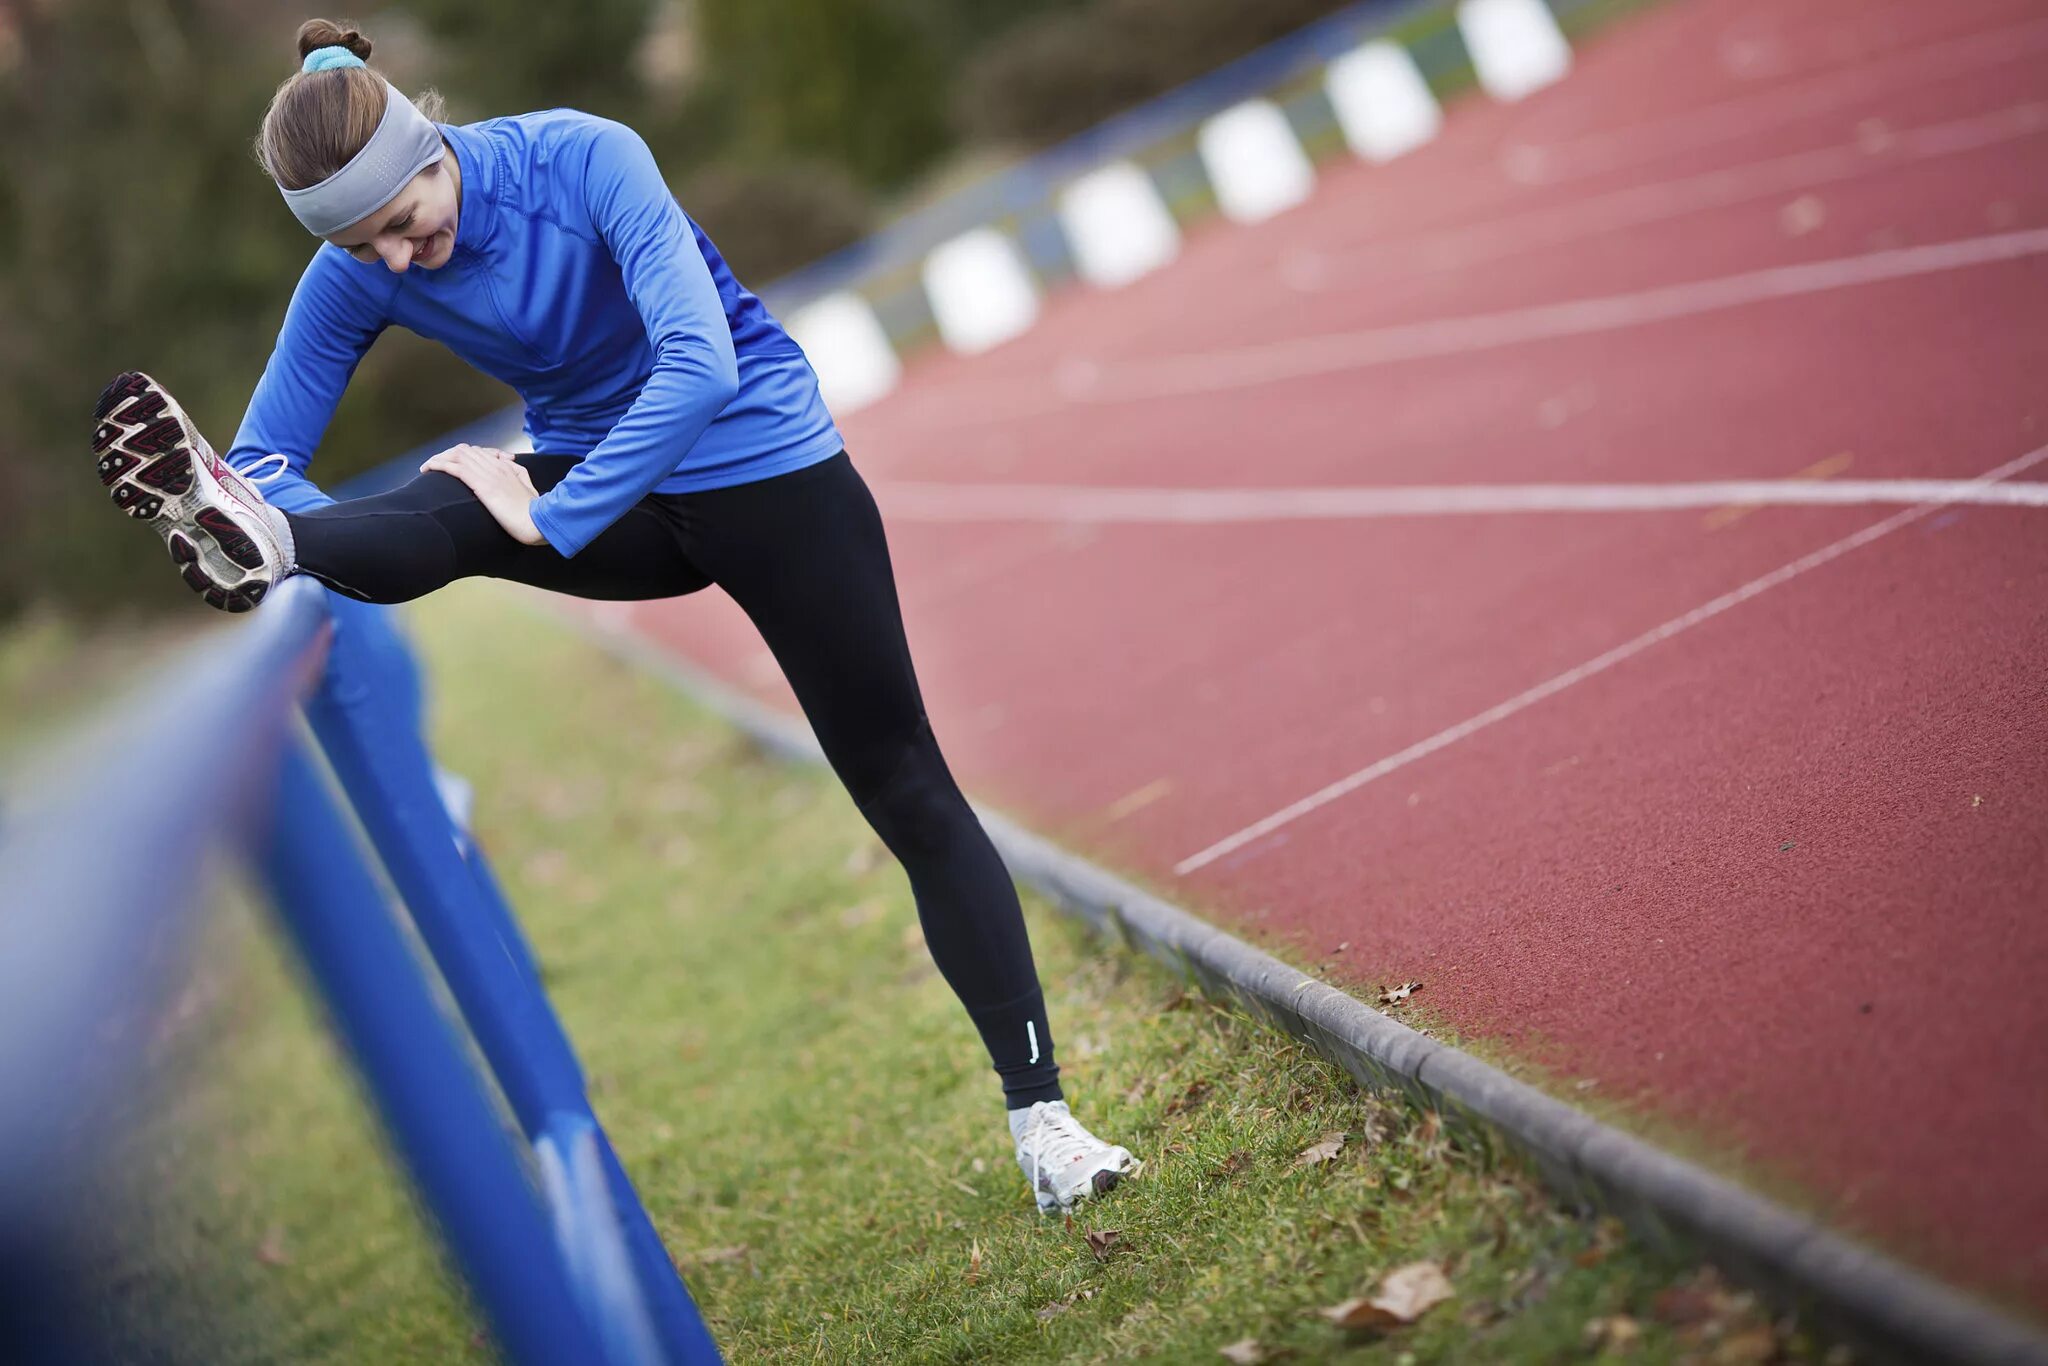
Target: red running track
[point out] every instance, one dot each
(1766, 871)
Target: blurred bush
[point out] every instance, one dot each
(137, 231)
(768, 220)
(1062, 72)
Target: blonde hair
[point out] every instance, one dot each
(319, 120)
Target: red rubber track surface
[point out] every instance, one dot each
(1777, 880)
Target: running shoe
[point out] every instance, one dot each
(1063, 1162)
(229, 544)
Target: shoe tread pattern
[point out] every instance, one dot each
(146, 464)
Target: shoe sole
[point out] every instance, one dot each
(153, 471)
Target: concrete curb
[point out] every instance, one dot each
(1886, 1311)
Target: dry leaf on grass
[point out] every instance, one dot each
(1066, 1302)
(1607, 1236)
(1617, 1333)
(1100, 1241)
(1701, 1307)
(1322, 1150)
(1232, 1164)
(1197, 1092)
(974, 1262)
(1405, 1294)
(1245, 1352)
(271, 1251)
(1393, 996)
(1750, 1347)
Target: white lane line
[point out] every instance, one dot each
(1296, 357)
(1875, 152)
(930, 502)
(1765, 111)
(1597, 665)
(1079, 381)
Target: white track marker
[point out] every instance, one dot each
(1516, 46)
(980, 292)
(1764, 111)
(1597, 665)
(1117, 225)
(846, 345)
(928, 502)
(1254, 161)
(1383, 105)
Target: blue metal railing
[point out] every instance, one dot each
(101, 877)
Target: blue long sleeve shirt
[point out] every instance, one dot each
(576, 279)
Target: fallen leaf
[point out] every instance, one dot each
(1683, 1306)
(1322, 1150)
(271, 1251)
(1100, 1241)
(1066, 1302)
(1393, 996)
(1196, 1093)
(1232, 1164)
(1245, 1352)
(1405, 1294)
(1616, 1333)
(1750, 1347)
(1607, 1236)
(1410, 1291)
(974, 1262)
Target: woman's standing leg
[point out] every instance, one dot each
(804, 555)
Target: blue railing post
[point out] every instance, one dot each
(444, 1125)
(365, 712)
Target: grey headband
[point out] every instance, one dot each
(405, 144)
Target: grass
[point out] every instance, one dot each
(809, 1115)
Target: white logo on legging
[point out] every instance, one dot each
(1031, 1033)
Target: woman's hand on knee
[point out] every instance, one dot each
(500, 483)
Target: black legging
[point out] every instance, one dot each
(804, 555)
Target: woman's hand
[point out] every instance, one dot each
(500, 483)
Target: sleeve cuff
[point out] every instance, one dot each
(553, 531)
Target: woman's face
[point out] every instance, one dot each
(417, 228)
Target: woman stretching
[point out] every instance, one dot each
(685, 444)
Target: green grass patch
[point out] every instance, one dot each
(808, 1111)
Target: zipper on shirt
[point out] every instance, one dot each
(491, 291)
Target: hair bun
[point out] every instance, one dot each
(319, 33)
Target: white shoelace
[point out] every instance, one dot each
(284, 462)
(1067, 1139)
